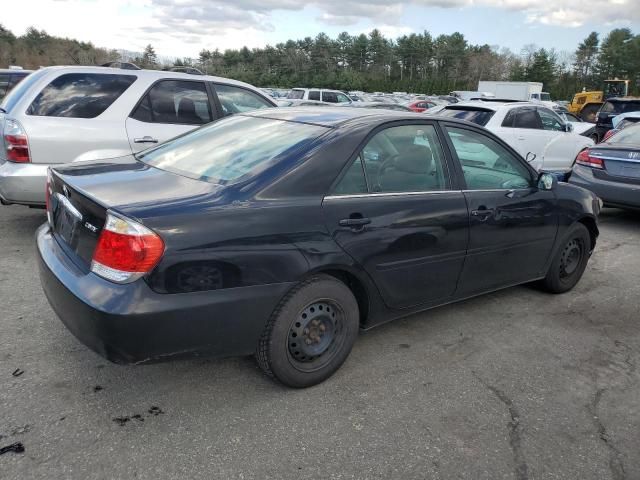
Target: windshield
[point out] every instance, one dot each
(474, 115)
(629, 136)
(545, 97)
(231, 148)
(16, 93)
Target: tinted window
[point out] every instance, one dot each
(550, 121)
(474, 115)
(175, 101)
(486, 164)
(237, 100)
(4, 84)
(232, 148)
(623, 107)
(526, 118)
(296, 94)
(79, 95)
(330, 97)
(405, 159)
(342, 98)
(314, 95)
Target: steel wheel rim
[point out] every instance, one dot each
(571, 258)
(316, 335)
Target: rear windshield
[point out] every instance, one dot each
(474, 115)
(79, 95)
(224, 151)
(16, 93)
(620, 107)
(629, 136)
(296, 94)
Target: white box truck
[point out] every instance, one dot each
(524, 91)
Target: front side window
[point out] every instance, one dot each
(550, 121)
(234, 147)
(486, 164)
(239, 100)
(314, 95)
(79, 95)
(407, 158)
(330, 97)
(175, 102)
(342, 98)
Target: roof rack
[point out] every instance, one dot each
(189, 70)
(122, 65)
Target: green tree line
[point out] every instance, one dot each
(418, 62)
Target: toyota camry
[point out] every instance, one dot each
(283, 233)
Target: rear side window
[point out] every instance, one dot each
(238, 100)
(474, 115)
(233, 148)
(296, 94)
(79, 95)
(314, 95)
(175, 102)
(330, 97)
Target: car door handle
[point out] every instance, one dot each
(520, 137)
(354, 222)
(145, 139)
(482, 213)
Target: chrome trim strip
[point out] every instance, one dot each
(387, 194)
(615, 159)
(69, 206)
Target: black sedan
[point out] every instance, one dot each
(281, 233)
(612, 169)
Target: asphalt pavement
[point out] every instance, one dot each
(517, 384)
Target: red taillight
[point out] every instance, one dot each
(609, 134)
(126, 250)
(587, 160)
(16, 143)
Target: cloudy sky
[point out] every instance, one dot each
(183, 27)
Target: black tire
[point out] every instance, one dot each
(310, 333)
(570, 260)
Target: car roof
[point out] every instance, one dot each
(15, 70)
(337, 116)
(148, 74)
(624, 99)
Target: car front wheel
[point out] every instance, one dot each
(570, 261)
(310, 333)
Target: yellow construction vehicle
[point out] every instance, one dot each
(586, 104)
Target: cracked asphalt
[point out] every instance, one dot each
(517, 384)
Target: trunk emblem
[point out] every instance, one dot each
(93, 228)
(634, 155)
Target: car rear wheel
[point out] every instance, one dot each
(310, 333)
(570, 261)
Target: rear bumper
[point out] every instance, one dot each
(23, 183)
(132, 324)
(615, 194)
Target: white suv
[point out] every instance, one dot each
(536, 132)
(320, 95)
(67, 114)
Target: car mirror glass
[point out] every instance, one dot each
(568, 127)
(546, 181)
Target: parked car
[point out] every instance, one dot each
(319, 94)
(586, 129)
(612, 108)
(612, 169)
(536, 132)
(9, 78)
(300, 103)
(620, 122)
(385, 106)
(284, 242)
(420, 106)
(67, 114)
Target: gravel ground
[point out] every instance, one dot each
(517, 384)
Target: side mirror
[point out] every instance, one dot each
(568, 127)
(547, 181)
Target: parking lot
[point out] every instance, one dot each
(516, 384)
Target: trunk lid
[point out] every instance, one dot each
(82, 193)
(619, 161)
